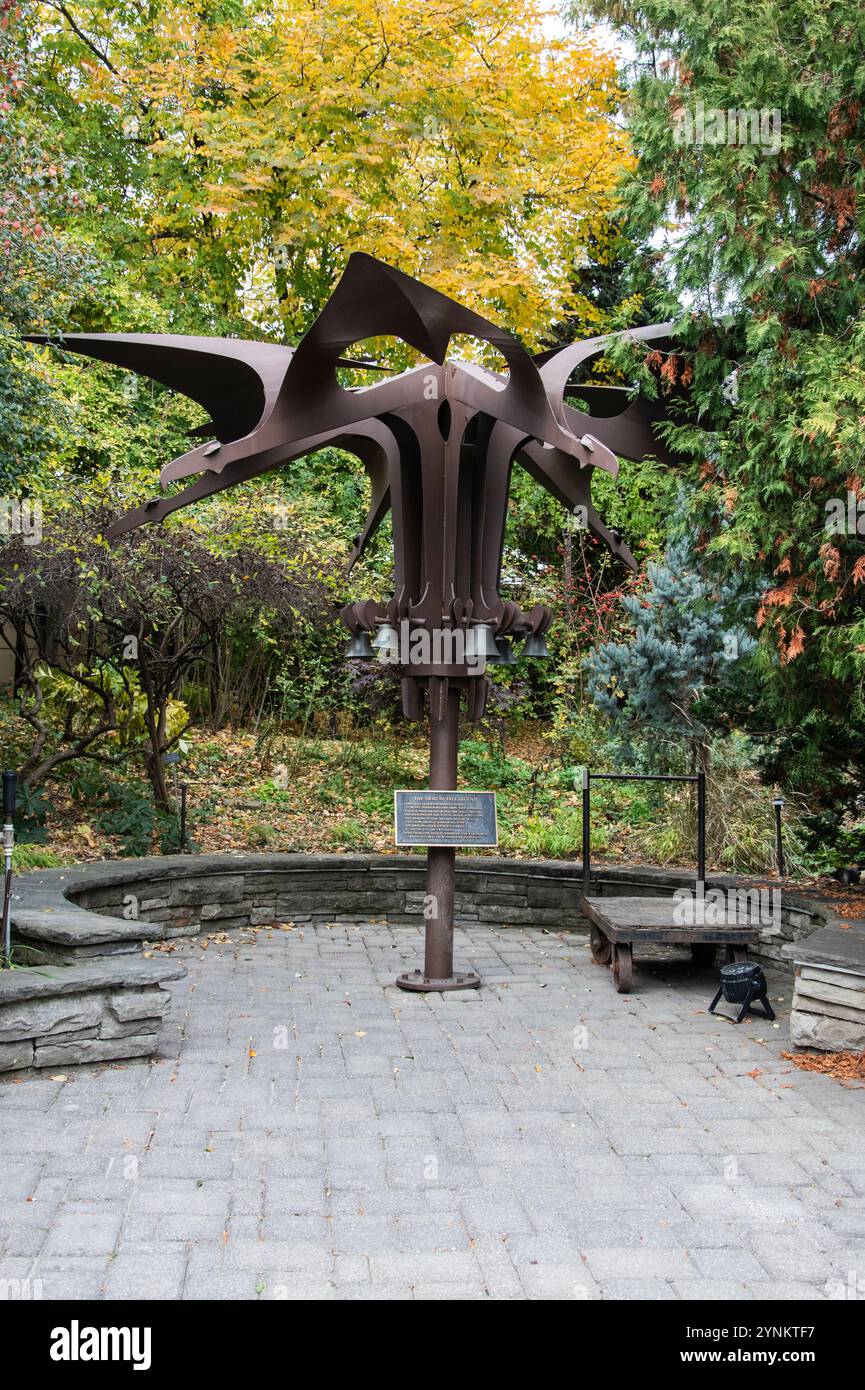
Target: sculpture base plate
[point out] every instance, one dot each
(421, 984)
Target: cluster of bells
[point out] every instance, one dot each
(497, 651)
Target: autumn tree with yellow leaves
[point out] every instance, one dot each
(232, 155)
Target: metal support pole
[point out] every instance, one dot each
(587, 834)
(438, 971)
(10, 782)
(778, 802)
(701, 829)
(441, 863)
(183, 818)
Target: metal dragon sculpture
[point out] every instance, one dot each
(438, 443)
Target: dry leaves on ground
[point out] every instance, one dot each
(846, 1067)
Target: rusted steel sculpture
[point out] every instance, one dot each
(438, 443)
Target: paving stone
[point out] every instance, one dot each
(389, 1291)
(608, 1179)
(70, 1277)
(791, 1257)
(163, 1196)
(487, 1216)
(433, 1267)
(639, 1290)
(367, 1235)
(558, 1281)
(789, 1292)
(146, 1271)
(224, 1286)
(735, 1264)
(640, 1264)
(298, 1256)
(711, 1290)
(351, 1269)
(84, 1232)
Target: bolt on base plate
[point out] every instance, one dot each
(418, 982)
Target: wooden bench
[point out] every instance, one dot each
(621, 925)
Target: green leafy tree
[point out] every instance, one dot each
(748, 200)
(236, 153)
(41, 269)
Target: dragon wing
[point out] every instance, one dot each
(236, 381)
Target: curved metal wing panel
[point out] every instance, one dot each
(236, 381)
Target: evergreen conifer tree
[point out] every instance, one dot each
(684, 645)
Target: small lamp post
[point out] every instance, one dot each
(778, 804)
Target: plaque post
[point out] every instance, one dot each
(438, 971)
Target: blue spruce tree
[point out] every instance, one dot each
(684, 647)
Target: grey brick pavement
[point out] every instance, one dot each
(309, 1131)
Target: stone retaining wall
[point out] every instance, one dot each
(828, 1010)
(829, 997)
(111, 907)
(57, 1016)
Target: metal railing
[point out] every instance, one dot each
(588, 777)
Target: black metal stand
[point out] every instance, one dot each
(698, 778)
(746, 985)
(183, 790)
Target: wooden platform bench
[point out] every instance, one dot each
(620, 926)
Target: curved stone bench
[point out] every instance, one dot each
(112, 907)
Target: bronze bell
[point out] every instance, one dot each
(359, 648)
(504, 653)
(386, 643)
(535, 645)
(481, 643)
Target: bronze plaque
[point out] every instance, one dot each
(446, 819)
